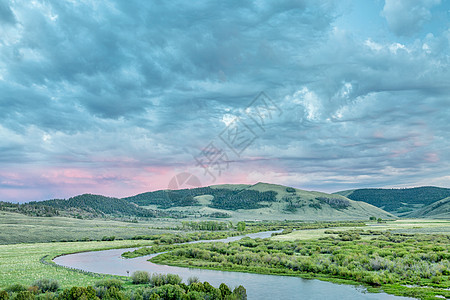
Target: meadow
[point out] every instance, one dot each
(409, 226)
(21, 263)
(403, 257)
(18, 228)
(408, 264)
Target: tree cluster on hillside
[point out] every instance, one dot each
(292, 203)
(223, 198)
(29, 209)
(99, 206)
(170, 198)
(393, 199)
(244, 199)
(337, 203)
(83, 206)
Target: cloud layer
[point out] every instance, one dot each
(113, 98)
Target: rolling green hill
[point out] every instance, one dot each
(401, 202)
(436, 210)
(261, 201)
(98, 205)
(82, 206)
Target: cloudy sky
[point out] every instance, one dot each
(118, 97)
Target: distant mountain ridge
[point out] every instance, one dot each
(261, 201)
(402, 202)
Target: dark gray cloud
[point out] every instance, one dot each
(117, 97)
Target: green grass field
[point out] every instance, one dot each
(20, 263)
(398, 226)
(18, 228)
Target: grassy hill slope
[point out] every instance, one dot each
(401, 202)
(261, 201)
(436, 210)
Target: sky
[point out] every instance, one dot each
(123, 97)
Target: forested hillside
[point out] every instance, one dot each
(229, 199)
(98, 205)
(82, 206)
(398, 200)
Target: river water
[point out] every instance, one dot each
(258, 286)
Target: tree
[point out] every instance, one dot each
(290, 190)
(240, 293)
(224, 290)
(240, 226)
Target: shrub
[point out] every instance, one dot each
(192, 280)
(240, 226)
(110, 283)
(436, 279)
(47, 285)
(161, 279)
(169, 292)
(76, 293)
(173, 279)
(140, 277)
(47, 296)
(33, 289)
(290, 190)
(24, 295)
(4, 295)
(194, 295)
(15, 288)
(114, 294)
(224, 290)
(240, 293)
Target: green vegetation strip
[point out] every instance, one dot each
(142, 286)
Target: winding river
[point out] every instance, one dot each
(258, 286)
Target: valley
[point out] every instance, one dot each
(34, 233)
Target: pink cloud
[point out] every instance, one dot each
(432, 157)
